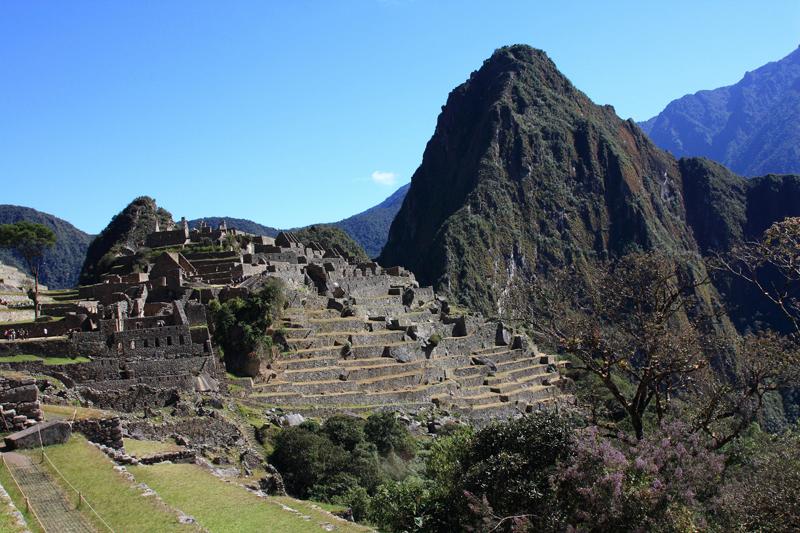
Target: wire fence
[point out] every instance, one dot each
(81, 499)
(28, 506)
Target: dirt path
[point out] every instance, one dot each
(56, 513)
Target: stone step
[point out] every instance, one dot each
(310, 342)
(504, 386)
(536, 392)
(517, 374)
(383, 350)
(422, 393)
(320, 351)
(471, 380)
(492, 350)
(506, 356)
(380, 383)
(308, 362)
(468, 401)
(336, 324)
(389, 367)
(514, 364)
(316, 373)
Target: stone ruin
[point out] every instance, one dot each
(19, 403)
(354, 334)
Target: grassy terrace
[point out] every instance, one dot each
(63, 412)
(115, 498)
(146, 448)
(28, 358)
(63, 296)
(221, 506)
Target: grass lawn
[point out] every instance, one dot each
(20, 358)
(226, 507)
(145, 448)
(115, 498)
(50, 361)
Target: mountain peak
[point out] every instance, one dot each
(523, 172)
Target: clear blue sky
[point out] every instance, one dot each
(296, 112)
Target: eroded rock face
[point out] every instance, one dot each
(45, 434)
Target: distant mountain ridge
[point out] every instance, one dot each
(752, 127)
(62, 263)
(242, 224)
(370, 228)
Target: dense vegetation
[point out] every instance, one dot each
(748, 126)
(241, 323)
(547, 471)
(346, 460)
(661, 440)
(331, 237)
(126, 232)
(370, 228)
(62, 263)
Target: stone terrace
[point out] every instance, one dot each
(401, 346)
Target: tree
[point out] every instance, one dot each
(628, 327)
(30, 240)
(240, 326)
(771, 265)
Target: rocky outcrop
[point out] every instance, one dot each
(43, 434)
(124, 234)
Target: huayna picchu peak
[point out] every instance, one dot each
(524, 173)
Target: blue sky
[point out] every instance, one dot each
(295, 112)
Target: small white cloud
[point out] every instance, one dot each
(382, 177)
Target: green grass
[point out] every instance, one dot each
(226, 507)
(7, 522)
(50, 361)
(20, 358)
(116, 499)
(145, 448)
(62, 412)
(8, 483)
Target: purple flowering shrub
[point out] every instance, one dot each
(657, 484)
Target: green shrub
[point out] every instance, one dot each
(305, 459)
(389, 435)
(314, 465)
(398, 506)
(345, 431)
(240, 324)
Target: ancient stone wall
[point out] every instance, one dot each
(135, 398)
(105, 431)
(19, 403)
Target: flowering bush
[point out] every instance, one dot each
(656, 484)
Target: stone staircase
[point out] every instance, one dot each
(383, 356)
